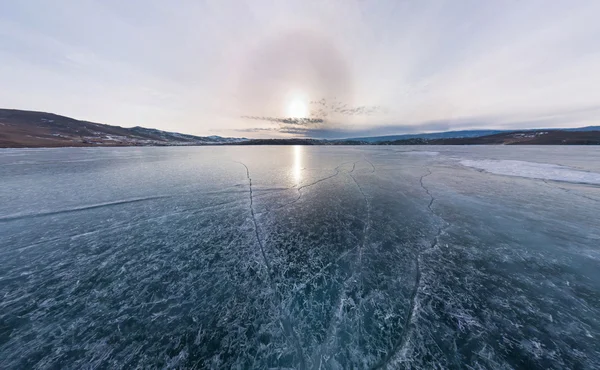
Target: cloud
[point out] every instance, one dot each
(258, 129)
(287, 120)
(341, 132)
(321, 119)
(323, 108)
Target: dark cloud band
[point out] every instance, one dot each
(287, 120)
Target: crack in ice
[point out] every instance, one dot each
(366, 226)
(299, 189)
(284, 320)
(570, 191)
(81, 208)
(286, 324)
(371, 163)
(260, 243)
(337, 317)
(402, 347)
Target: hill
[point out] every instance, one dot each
(19, 128)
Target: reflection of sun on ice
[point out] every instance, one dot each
(297, 108)
(297, 165)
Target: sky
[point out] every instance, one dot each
(323, 69)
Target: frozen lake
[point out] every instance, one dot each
(300, 257)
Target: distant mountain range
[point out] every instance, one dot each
(20, 129)
(434, 135)
(579, 136)
(461, 134)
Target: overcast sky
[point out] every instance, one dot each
(252, 68)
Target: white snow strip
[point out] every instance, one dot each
(545, 171)
(424, 153)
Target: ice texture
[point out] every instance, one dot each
(534, 170)
(419, 152)
(299, 257)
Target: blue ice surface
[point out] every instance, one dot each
(300, 257)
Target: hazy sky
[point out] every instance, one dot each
(382, 67)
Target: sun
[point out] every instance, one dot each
(297, 108)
